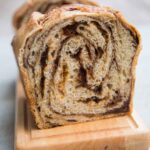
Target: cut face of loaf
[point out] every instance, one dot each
(23, 14)
(77, 64)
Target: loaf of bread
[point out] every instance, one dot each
(77, 64)
(23, 14)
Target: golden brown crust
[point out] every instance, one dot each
(30, 4)
(37, 22)
(135, 59)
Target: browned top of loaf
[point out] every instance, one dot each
(29, 5)
(38, 21)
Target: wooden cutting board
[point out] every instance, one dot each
(119, 133)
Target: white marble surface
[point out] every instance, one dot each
(137, 11)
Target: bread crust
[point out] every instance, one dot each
(29, 5)
(36, 23)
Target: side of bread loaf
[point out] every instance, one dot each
(77, 64)
(23, 14)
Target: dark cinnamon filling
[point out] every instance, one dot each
(71, 120)
(44, 56)
(93, 98)
(123, 109)
(98, 89)
(99, 52)
(70, 31)
(82, 77)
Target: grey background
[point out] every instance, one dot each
(136, 11)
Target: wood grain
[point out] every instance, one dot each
(119, 133)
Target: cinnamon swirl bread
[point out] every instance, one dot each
(77, 64)
(22, 15)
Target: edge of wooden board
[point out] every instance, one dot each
(126, 132)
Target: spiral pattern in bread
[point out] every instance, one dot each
(77, 64)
